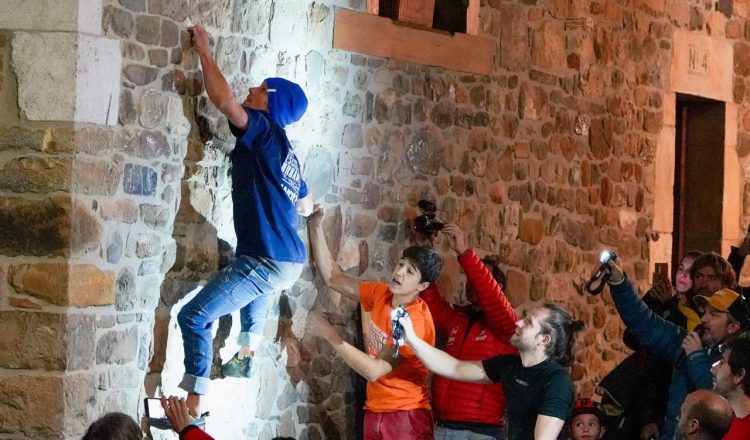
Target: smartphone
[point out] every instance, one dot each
(661, 272)
(154, 410)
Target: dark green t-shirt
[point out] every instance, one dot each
(544, 389)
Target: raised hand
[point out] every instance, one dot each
(456, 238)
(177, 412)
(200, 39)
(316, 218)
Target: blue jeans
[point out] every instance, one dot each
(472, 433)
(246, 284)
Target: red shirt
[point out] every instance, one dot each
(473, 339)
(740, 429)
(194, 433)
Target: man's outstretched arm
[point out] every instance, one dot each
(328, 269)
(440, 362)
(547, 427)
(217, 87)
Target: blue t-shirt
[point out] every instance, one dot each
(266, 184)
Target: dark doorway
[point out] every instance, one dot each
(699, 176)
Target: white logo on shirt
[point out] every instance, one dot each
(291, 176)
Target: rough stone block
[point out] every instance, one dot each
(514, 54)
(36, 175)
(95, 177)
(35, 227)
(139, 180)
(67, 77)
(702, 65)
(147, 29)
(140, 75)
(62, 284)
(32, 341)
(146, 144)
(155, 216)
(80, 334)
(24, 397)
(18, 138)
(117, 347)
(548, 50)
(85, 230)
(134, 5)
(176, 9)
(119, 21)
(52, 15)
(79, 391)
(153, 108)
(121, 210)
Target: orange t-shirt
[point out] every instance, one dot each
(407, 386)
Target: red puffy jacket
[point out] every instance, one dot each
(194, 433)
(470, 339)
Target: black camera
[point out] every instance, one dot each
(426, 224)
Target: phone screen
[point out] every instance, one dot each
(154, 409)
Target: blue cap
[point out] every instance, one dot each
(287, 103)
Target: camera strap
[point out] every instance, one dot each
(602, 275)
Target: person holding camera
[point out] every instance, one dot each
(732, 380)
(398, 398)
(691, 354)
(635, 391)
(474, 332)
(268, 193)
(537, 385)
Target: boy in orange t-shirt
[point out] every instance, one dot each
(398, 400)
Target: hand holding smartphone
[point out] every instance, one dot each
(661, 285)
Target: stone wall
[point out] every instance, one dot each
(112, 210)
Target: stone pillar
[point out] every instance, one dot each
(59, 288)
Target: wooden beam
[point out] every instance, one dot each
(472, 18)
(379, 36)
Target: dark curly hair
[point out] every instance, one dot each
(721, 266)
(426, 260)
(562, 328)
(739, 360)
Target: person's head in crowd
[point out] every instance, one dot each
(114, 426)
(724, 316)
(497, 274)
(704, 415)
(683, 282)
(732, 372)
(418, 267)
(548, 329)
(587, 422)
(710, 273)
